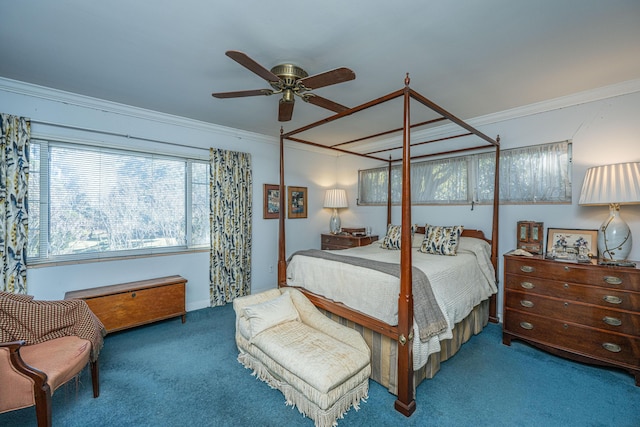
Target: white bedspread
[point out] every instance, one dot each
(459, 283)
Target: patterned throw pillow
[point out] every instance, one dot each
(439, 240)
(392, 239)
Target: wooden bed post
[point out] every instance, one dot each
(282, 262)
(389, 201)
(406, 403)
(493, 312)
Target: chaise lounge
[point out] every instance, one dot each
(320, 366)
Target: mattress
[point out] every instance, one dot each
(458, 282)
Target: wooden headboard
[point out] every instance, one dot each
(467, 232)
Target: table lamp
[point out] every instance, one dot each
(337, 199)
(612, 185)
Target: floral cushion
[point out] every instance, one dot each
(392, 239)
(439, 240)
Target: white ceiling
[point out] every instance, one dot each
(472, 57)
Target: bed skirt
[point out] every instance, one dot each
(384, 357)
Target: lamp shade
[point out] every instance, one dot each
(335, 198)
(611, 184)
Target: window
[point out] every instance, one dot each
(97, 202)
(536, 174)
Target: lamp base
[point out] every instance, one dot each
(334, 222)
(614, 237)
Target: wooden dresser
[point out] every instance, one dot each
(585, 312)
(344, 241)
(132, 304)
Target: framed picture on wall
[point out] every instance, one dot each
(271, 201)
(297, 202)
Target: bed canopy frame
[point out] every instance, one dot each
(403, 332)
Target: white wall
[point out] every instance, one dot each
(305, 168)
(603, 131)
(603, 126)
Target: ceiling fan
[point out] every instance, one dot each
(290, 80)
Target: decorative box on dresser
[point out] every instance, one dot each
(344, 241)
(585, 312)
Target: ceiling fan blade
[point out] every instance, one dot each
(251, 65)
(327, 78)
(285, 111)
(324, 103)
(241, 93)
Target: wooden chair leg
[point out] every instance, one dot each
(43, 406)
(95, 378)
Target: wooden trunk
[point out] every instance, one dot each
(127, 305)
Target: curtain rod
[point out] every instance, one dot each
(121, 135)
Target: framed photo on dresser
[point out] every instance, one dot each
(565, 242)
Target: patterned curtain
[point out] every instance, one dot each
(231, 211)
(14, 172)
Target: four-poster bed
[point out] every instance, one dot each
(393, 344)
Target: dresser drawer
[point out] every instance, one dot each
(344, 241)
(611, 277)
(600, 345)
(604, 296)
(622, 322)
(338, 241)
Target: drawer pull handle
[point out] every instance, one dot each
(613, 348)
(527, 269)
(526, 325)
(612, 299)
(133, 294)
(613, 321)
(527, 285)
(613, 280)
(566, 268)
(566, 286)
(526, 303)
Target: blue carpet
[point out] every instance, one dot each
(170, 374)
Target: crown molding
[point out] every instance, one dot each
(56, 95)
(605, 92)
(32, 90)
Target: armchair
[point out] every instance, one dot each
(43, 345)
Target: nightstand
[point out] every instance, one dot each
(585, 312)
(344, 241)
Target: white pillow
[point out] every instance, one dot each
(271, 313)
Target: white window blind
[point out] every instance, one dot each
(104, 202)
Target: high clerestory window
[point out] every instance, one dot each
(535, 174)
(90, 202)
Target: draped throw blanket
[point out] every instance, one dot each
(230, 218)
(426, 311)
(39, 321)
(14, 172)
